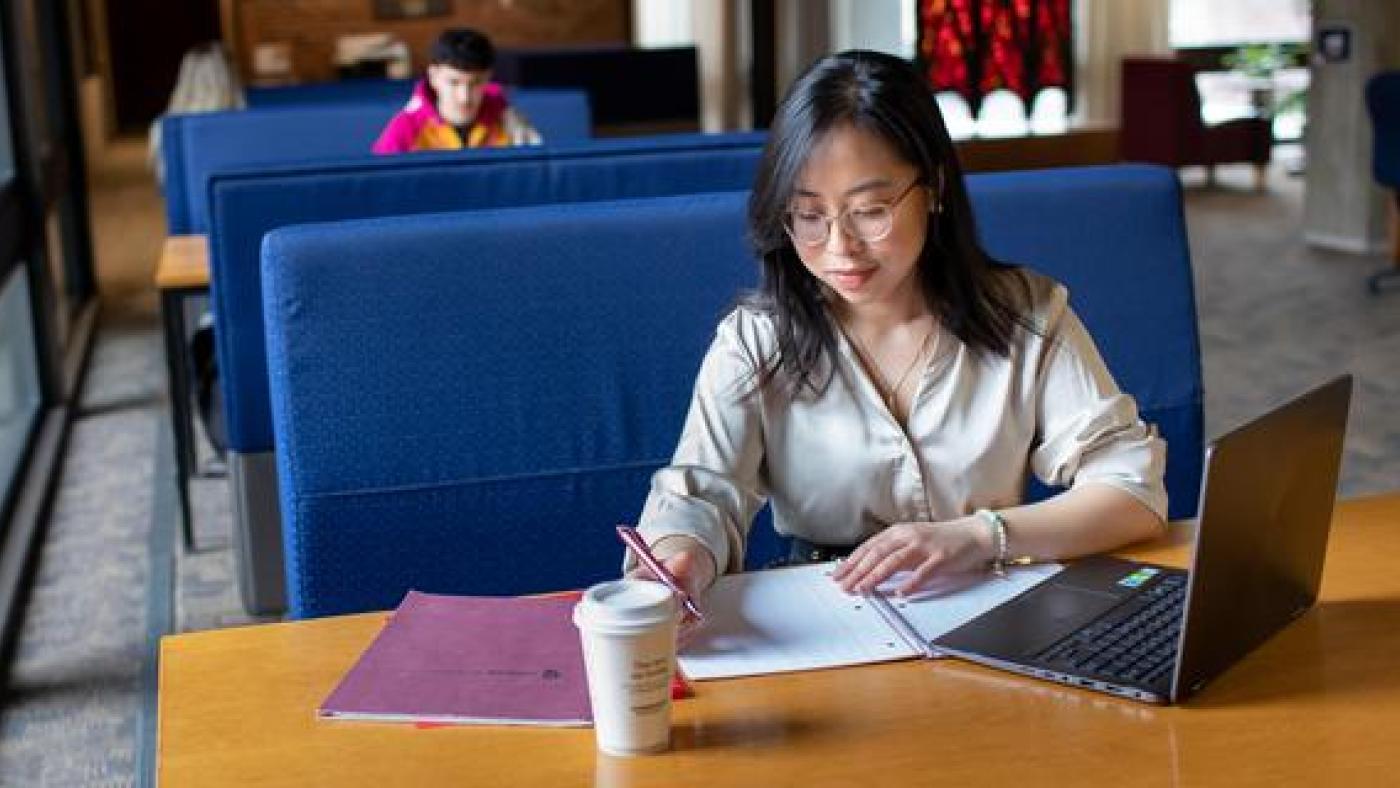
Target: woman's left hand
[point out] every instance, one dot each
(922, 549)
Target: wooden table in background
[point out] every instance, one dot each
(182, 272)
(1319, 704)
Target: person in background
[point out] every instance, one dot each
(891, 385)
(457, 105)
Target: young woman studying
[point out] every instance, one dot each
(890, 385)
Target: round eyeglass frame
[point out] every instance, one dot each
(848, 226)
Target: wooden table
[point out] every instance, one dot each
(182, 272)
(1319, 704)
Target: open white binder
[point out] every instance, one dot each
(797, 618)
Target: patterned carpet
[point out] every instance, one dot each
(73, 708)
(1276, 317)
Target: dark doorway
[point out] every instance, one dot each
(147, 39)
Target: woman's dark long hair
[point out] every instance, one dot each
(967, 290)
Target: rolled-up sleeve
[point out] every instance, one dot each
(712, 489)
(1090, 431)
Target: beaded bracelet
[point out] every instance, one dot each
(1000, 549)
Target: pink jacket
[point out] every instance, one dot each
(418, 126)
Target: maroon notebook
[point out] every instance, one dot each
(461, 659)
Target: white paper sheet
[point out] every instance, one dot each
(797, 618)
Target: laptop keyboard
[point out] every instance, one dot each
(1139, 648)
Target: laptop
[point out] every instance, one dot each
(1159, 634)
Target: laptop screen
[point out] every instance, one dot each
(1266, 508)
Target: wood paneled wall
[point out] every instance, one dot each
(312, 26)
(1073, 148)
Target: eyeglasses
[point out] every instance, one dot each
(867, 223)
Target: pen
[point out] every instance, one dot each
(634, 540)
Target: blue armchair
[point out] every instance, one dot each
(1383, 102)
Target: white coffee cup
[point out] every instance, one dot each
(628, 628)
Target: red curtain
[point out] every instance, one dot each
(974, 47)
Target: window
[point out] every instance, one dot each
(1002, 114)
(7, 141)
(1211, 23)
(956, 115)
(1050, 112)
(1213, 30)
(663, 24)
(882, 25)
(979, 48)
(20, 393)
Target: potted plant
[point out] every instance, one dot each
(1258, 63)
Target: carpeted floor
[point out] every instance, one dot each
(73, 707)
(1275, 318)
(76, 705)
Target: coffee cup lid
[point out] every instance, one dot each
(626, 603)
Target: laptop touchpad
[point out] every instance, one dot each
(1034, 621)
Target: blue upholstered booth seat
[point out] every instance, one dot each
(1115, 236)
(1383, 104)
(344, 91)
(468, 402)
(507, 382)
(193, 147)
(561, 115)
(625, 84)
(245, 206)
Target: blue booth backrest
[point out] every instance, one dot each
(1116, 238)
(625, 84)
(345, 91)
(1383, 104)
(467, 402)
(245, 206)
(194, 147)
(507, 382)
(560, 115)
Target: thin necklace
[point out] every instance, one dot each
(890, 394)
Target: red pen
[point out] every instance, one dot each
(634, 540)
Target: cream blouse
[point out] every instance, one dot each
(837, 467)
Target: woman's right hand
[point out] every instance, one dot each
(687, 559)
(691, 564)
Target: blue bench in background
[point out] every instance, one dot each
(344, 91)
(1116, 237)
(628, 87)
(244, 206)
(468, 402)
(193, 147)
(494, 470)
